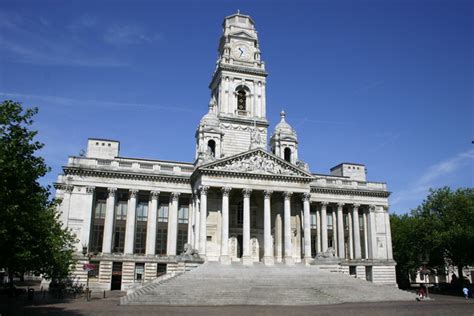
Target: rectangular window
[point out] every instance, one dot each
(161, 240)
(139, 272)
(163, 211)
(361, 222)
(183, 214)
(94, 274)
(119, 237)
(240, 213)
(182, 239)
(121, 210)
(142, 211)
(329, 220)
(312, 218)
(160, 269)
(254, 218)
(97, 237)
(100, 207)
(140, 238)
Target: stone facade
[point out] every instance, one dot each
(238, 201)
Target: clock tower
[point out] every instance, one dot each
(238, 88)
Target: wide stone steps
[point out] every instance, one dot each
(236, 284)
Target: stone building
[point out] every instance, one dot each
(243, 198)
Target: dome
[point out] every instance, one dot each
(210, 119)
(283, 128)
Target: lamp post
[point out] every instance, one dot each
(88, 255)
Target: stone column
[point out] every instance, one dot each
(351, 239)
(246, 258)
(366, 236)
(334, 231)
(173, 224)
(340, 231)
(388, 233)
(225, 259)
(203, 222)
(318, 225)
(267, 229)
(190, 221)
(151, 223)
(130, 224)
(355, 222)
(307, 228)
(278, 238)
(86, 225)
(324, 227)
(287, 228)
(109, 221)
(197, 221)
(372, 233)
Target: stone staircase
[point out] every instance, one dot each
(215, 284)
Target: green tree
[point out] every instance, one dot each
(31, 237)
(438, 232)
(446, 220)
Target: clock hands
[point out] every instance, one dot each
(241, 51)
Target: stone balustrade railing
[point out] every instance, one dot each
(131, 164)
(337, 182)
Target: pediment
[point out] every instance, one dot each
(259, 162)
(242, 34)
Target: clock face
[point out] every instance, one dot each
(241, 51)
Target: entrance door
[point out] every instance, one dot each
(239, 246)
(116, 276)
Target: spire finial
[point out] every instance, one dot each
(238, 11)
(282, 114)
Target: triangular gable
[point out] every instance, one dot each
(242, 34)
(256, 161)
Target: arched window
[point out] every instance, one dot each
(241, 100)
(211, 147)
(287, 154)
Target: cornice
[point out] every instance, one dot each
(237, 69)
(80, 171)
(342, 191)
(245, 175)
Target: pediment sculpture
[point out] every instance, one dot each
(257, 163)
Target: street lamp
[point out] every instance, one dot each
(88, 255)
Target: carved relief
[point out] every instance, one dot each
(257, 164)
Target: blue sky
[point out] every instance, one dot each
(384, 83)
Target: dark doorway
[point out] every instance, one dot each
(239, 246)
(116, 276)
(314, 245)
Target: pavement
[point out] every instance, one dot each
(438, 305)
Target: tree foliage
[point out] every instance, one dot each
(438, 232)
(31, 236)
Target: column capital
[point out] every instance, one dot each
(133, 193)
(226, 190)
(324, 203)
(356, 205)
(306, 197)
(90, 189)
(175, 196)
(287, 195)
(371, 207)
(68, 188)
(204, 189)
(112, 191)
(267, 193)
(247, 192)
(154, 194)
(340, 204)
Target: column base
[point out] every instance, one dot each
(247, 261)
(289, 261)
(224, 259)
(307, 260)
(268, 261)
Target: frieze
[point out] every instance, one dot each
(382, 194)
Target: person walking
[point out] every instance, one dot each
(465, 290)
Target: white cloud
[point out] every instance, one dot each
(432, 176)
(128, 34)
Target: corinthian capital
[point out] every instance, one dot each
(175, 196)
(133, 193)
(225, 191)
(90, 189)
(306, 197)
(267, 193)
(246, 192)
(154, 195)
(204, 189)
(112, 191)
(287, 195)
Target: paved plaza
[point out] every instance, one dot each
(440, 305)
